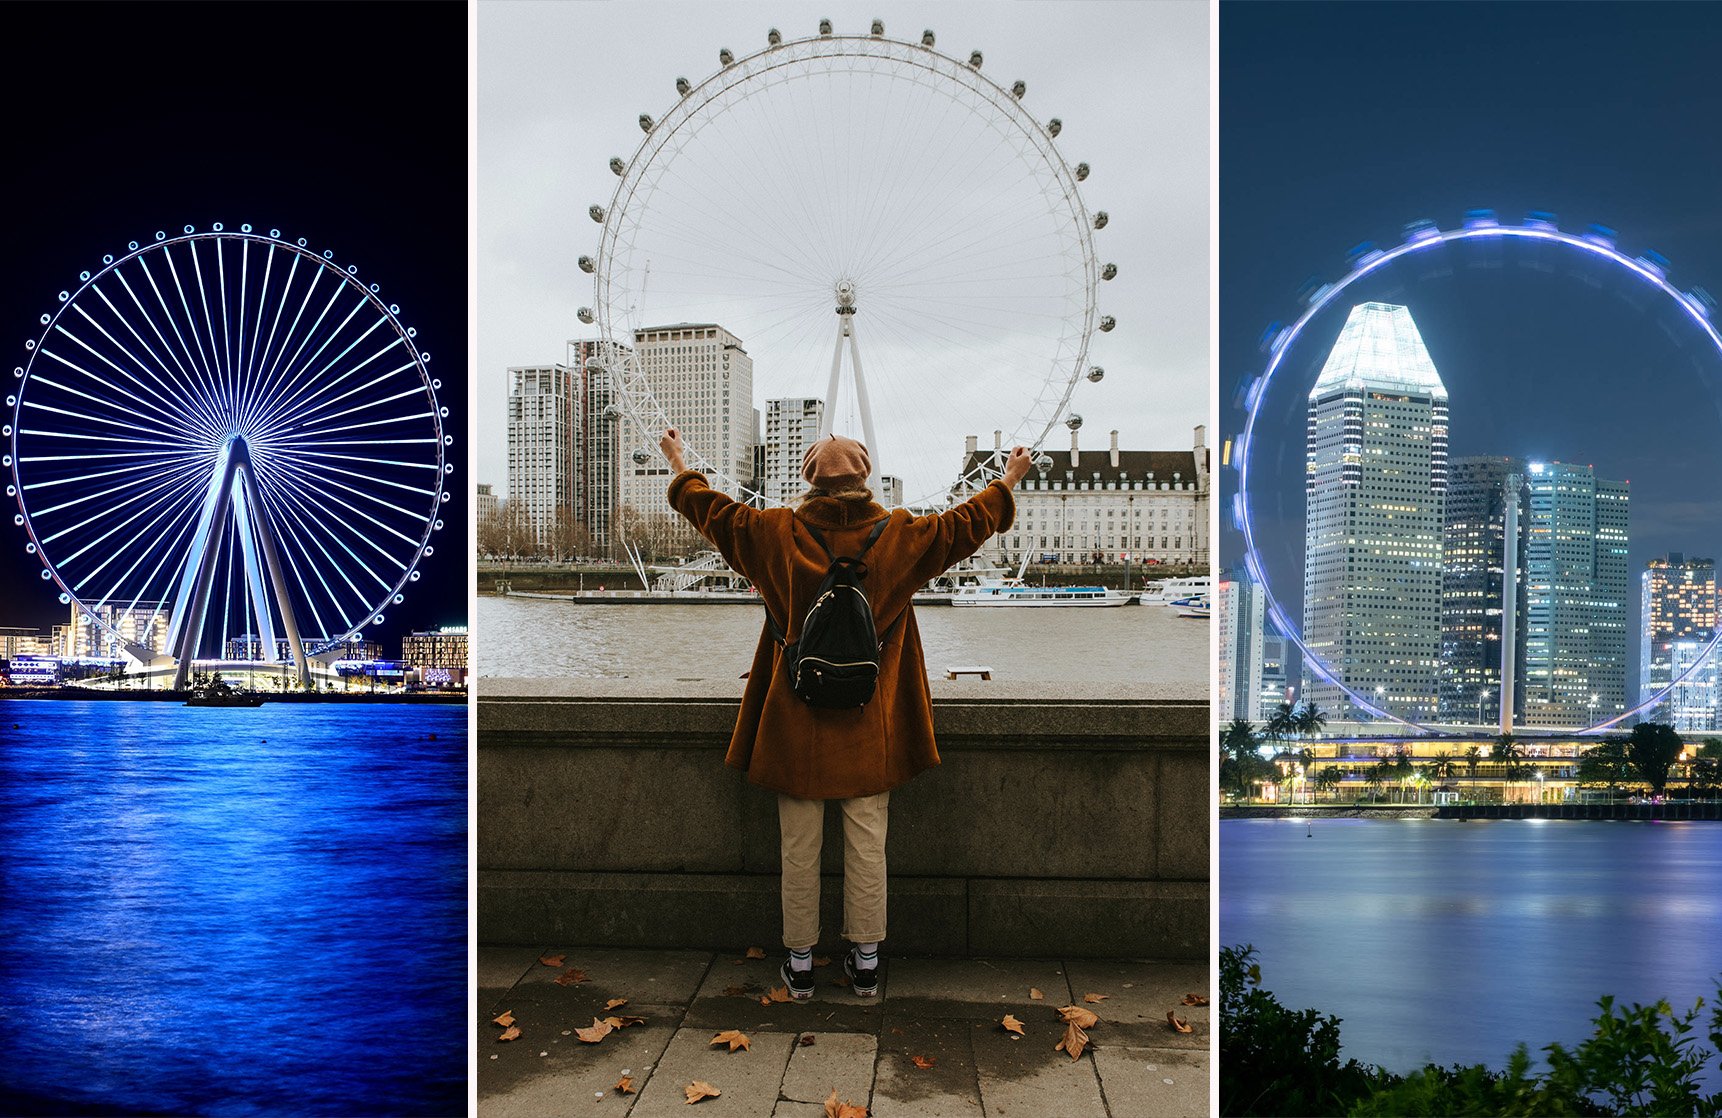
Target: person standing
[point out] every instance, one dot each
(809, 754)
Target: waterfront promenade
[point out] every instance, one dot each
(945, 1011)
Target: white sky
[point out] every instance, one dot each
(561, 85)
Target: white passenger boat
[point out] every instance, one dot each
(1197, 607)
(1169, 590)
(1012, 592)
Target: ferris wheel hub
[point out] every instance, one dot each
(845, 297)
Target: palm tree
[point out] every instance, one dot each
(1238, 745)
(1473, 758)
(1310, 720)
(1511, 755)
(1374, 779)
(1329, 778)
(1282, 723)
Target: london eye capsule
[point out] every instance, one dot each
(825, 27)
(1107, 322)
(1100, 219)
(617, 167)
(975, 60)
(1017, 89)
(587, 265)
(1055, 126)
(1043, 461)
(611, 412)
(878, 28)
(774, 37)
(1096, 374)
(1074, 422)
(645, 122)
(927, 37)
(726, 56)
(593, 364)
(642, 456)
(584, 314)
(596, 213)
(1081, 171)
(683, 87)
(1109, 271)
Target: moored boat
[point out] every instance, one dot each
(1012, 592)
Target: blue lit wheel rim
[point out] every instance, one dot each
(1420, 238)
(148, 368)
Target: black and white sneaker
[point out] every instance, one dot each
(800, 982)
(863, 981)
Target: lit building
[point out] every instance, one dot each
(439, 655)
(1575, 596)
(1678, 600)
(543, 418)
(1473, 558)
(1692, 708)
(19, 642)
(1274, 676)
(1239, 605)
(143, 624)
(1375, 501)
(703, 379)
(789, 428)
(1089, 506)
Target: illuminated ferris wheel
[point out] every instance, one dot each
(231, 430)
(889, 232)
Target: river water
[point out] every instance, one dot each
(536, 637)
(1441, 941)
(232, 911)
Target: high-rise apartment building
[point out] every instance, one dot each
(1473, 563)
(543, 421)
(1678, 600)
(1575, 596)
(1375, 502)
(1694, 705)
(1239, 606)
(1274, 690)
(703, 379)
(488, 511)
(598, 442)
(789, 427)
(143, 625)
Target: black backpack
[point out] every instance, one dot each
(835, 663)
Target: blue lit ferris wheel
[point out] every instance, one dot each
(229, 435)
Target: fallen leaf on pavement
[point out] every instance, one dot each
(736, 991)
(1076, 1015)
(506, 1019)
(1012, 1024)
(806, 1039)
(614, 1002)
(1172, 1020)
(841, 982)
(924, 1062)
(733, 1038)
(552, 960)
(1035, 994)
(822, 961)
(1194, 999)
(571, 976)
(1074, 1041)
(626, 1086)
(596, 1033)
(835, 1109)
(700, 1089)
(623, 1022)
(510, 1033)
(756, 953)
(780, 993)
(765, 1001)
(1091, 998)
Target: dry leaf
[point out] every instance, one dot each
(841, 982)
(623, 1022)
(737, 962)
(614, 1002)
(1092, 998)
(596, 1033)
(765, 1001)
(780, 993)
(835, 1109)
(571, 976)
(1172, 1020)
(1011, 1024)
(626, 1086)
(510, 1033)
(1074, 1041)
(806, 1039)
(506, 1019)
(1194, 999)
(1035, 994)
(733, 1038)
(822, 961)
(924, 1062)
(756, 953)
(700, 1089)
(734, 991)
(1076, 1015)
(552, 960)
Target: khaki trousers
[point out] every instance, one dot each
(803, 826)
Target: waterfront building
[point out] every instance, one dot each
(1575, 596)
(1275, 689)
(703, 379)
(543, 418)
(1375, 492)
(1098, 506)
(1473, 562)
(16, 641)
(488, 511)
(143, 624)
(438, 655)
(1239, 606)
(790, 427)
(1677, 597)
(1693, 707)
(598, 443)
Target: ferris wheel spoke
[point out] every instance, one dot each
(270, 367)
(300, 534)
(211, 370)
(178, 501)
(226, 363)
(320, 477)
(327, 482)
(306, 378)
(291, 367)
(186, 380)
(147, 486)
(374, 478)
(164, 403)
(175, 426)
(282, 420)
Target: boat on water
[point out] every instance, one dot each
(1197, 607)
(221, 695)
(1012, 592)
(1169, 590)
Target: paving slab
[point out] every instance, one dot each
(787, 1109)
(1138, 996)
(840, 1061)
(650, 977)
(948, 1088)
(748, 1077)
(1155, 1082)
(544, 1074)
(1025, 1077)
(973, 987)
(831, 1009)
(501, 967)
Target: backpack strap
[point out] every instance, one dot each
(777, 634)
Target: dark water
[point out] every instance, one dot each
(195, 922)
(1441, 941)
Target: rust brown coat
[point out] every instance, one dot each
(809, 752)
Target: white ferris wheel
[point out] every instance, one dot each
(884, 228)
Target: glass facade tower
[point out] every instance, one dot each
(1678, 599)
(1472, 581)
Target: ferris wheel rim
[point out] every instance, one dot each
(346, 280)
(951, 77)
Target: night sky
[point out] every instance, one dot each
(1342, 123)
(345, 124)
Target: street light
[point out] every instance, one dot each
(1593, 699)
(1482, 697)
(1540, 786)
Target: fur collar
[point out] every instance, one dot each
(832, 513)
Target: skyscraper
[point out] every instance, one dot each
(1575, 596)
(1375, 498)
(1473, 558)
(1240, 606)
(1678, 596)
(703, 379)
(597, 443)
(543, 416)
(790, 427)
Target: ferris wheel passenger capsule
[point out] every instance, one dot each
(642, 456)
(645, 122)
(611, 412)
(584, 314)
(1017, 89)
(1100, 219)
(1043, 461)
(825, 27)
(587, 265)
(774, 37)
(726, 56)
(1074, 422)
(683, 87)
(1109, 272)
(596, 213)
(1107, 322)
(975, 59)
(1096, 374)
(1081, 172)
(1055, 126)
(617, 167)
(878, 28)
(927, 37)
(593, 364)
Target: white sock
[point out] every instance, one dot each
(867, 955)
(800, 958)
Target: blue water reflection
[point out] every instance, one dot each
(233, 911)
(1440, 941)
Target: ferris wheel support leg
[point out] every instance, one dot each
(272, 561)
(866, 409)
(827, 416)
(246, 525)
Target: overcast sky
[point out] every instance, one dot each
(560, 88)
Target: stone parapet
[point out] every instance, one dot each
(1065, 819)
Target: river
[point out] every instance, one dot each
(1444, 941)
(536, 637)
(232, 911)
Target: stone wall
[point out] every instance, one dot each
(1066, 819)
